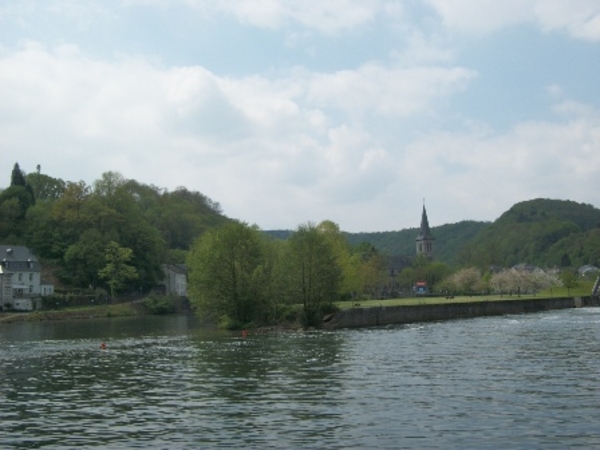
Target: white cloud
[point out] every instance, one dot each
(580, 19)
(396, 91)
(235, 139)
(491, 172)
(359, 145)
(328, 17)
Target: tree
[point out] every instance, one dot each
(117, 271)
(45, 188)
(350, 267)
(14, 203)
(17, 177)
(228, 276)
(10, 215)
(370, 269)
(569, 280)
(315, 275)
(466, 280)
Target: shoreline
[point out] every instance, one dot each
(406, 314)
(355, 317)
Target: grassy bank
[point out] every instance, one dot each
(158, 305)
(84, 312)
(152, 305)
(581, 291)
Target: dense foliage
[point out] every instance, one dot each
(116, 232)
(541, 232)
(449, 239)
(239, 276)
(72, 226)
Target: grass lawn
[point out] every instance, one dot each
(584, 289)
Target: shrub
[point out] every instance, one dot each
(289, 313)
(159, 304)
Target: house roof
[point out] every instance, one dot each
(16, 253)
(18, 258)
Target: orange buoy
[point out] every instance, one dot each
(103, 346)
(244, 333)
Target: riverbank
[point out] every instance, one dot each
(91, 312)
(360, 317)
(349, 317)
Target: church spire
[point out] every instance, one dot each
(425, 238)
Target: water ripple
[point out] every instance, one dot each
(509, 382)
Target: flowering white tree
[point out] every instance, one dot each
(519, 281)
(465, 280)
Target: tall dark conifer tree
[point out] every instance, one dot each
(17, 177)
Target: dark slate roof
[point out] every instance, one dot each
(424, 232)
(19, 258)
(16, 253)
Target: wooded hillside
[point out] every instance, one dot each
(544, 232)
(71, 225)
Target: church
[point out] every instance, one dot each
(425, 238)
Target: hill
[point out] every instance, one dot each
(544, 232)
(450, 239)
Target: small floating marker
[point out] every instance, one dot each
(103, 346)
(244, 333)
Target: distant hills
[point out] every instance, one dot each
(544, 232)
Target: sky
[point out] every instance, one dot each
(287, 112)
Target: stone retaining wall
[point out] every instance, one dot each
(378, 316)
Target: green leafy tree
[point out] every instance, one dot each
(84, 260)
(350, 267)
(117, 271)
(569, 280)
(45, 188)
(227, 274)
(371, 273)
(315, 275)
(407, 278)
(10, 217)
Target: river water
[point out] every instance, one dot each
(527, 381)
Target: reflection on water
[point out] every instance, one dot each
(510, 382)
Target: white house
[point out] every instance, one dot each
(175, 280)
(20, 278)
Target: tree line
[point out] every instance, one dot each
(112, 234)
(239, 276)
(115, 233)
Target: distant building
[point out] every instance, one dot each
(425, 239)
(175, 281)
(420, 288)
(20, 279)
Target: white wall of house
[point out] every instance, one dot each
(180, 284)
(46, 289)
(29, 282)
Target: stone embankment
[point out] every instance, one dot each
(392, 315)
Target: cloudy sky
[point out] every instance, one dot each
(288, 111)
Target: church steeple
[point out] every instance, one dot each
(425, 238)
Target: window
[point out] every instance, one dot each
(20, 277)
(30, 276)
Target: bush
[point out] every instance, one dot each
(289, 313)
(228, 323)
(122, 310)
(159, 304)
(329, 308)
